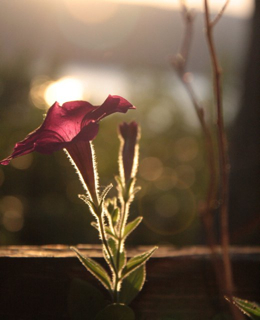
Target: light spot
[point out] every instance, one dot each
(38, 87)
(167, 205)
(13, 220)
(167, 180)
(186, 176)
(22, 163)
(63, 90)
(91, 11)
(150, 168)
(186, 149)
(170, 213)
(12, 213)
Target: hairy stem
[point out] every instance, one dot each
(120, 247)
(108, 251)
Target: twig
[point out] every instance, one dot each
(188, 17)
(179, 63)
(220, 14)
(223, 156)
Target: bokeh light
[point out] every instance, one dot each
(38, 87)
(169, 213)
(167, 180)
(91, 12)
(150, 168)
(186, 175)
(11, 209)
(186, 149)
(22, 163)
(167, 205)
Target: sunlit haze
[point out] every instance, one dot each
(235, 7)
(63, 90)
(96, 31)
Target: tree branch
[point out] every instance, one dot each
(220, 14)
(223, 157)
(179, 62)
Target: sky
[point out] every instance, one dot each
(72, 85)
(236, 7)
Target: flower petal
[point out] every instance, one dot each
(82, 154)
(43, 141)
(111, 105)
(66, 120)
(72, 122)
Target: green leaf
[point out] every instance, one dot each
(115, 216)
(84, 299)
(122, 259)
(105, 191)
(131, 226)
(94, 225)
(128, 194)
(94, 268)
(251, 309)
(119, 181)
(92, 207)
(116, 312)
(110, 232)
(132, 284)
(136, 262)
(112, 209)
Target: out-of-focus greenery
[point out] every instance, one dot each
(38, 193)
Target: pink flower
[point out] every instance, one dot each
(71, 126)
(67, 124)
(129, 135)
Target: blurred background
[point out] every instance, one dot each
(61, 50)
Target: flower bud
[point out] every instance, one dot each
(129, 135)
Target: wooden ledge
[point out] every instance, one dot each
(64, 251)
(36, 281)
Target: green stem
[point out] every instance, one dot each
(122, 223)
(123, 218)
(104, 241)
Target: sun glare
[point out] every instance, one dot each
(65, 89)
(91, 12)
(241, 8)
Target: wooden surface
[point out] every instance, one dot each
(35, 282)
(64, 251)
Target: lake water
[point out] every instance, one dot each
(95, 83)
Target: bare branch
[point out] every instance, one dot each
(220, 14)
(188, 18)
(223, 159)
(179, 63)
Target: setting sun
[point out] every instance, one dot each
(65, 89)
